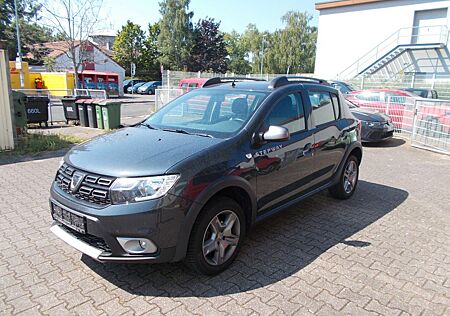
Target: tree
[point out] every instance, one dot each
(175, 37)
(292, 49)
(31, 32)
(74, 21)
(208, 51)
(251, 41)
(149, 59)
(237, 59)
(128, 46)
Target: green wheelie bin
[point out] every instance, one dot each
(110, 114)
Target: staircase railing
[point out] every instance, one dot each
(403, 36)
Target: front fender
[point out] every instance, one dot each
(201, 200)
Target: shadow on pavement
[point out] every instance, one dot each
(393, 142)
(274, 249)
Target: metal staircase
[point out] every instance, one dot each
(391, 54)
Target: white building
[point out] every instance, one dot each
(93, 57)
(387, 37)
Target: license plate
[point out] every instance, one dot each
(69, 219)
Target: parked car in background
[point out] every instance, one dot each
(375, 126)
(388, 101)
(186, 182)
(189, 84)
(133, 88)
(149, 87)
(130, 82)
(342, 86)
(424, 93)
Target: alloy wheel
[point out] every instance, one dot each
(221, 237)
(350, 176)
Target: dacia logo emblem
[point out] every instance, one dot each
(76, 181)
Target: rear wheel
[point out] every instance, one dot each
(216, 237)
(348, 180)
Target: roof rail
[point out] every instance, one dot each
(217, 80)
(284, 80)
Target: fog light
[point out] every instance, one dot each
(137, 245)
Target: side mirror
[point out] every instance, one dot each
(275, 133)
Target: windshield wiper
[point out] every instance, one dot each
(182, 131)
(148, 125)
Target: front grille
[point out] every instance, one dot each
(92, 187)
(91, 240)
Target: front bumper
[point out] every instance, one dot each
(158, 220)
(377, 133)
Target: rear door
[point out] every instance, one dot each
(283, 168)
(329, 135)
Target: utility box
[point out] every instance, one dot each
(20, 114)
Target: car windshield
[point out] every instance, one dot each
(147, 84)
(211, 112)
(138, 84)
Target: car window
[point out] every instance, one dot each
(394, 98)
(336, 105)
(322, 107)
(184, 85)
(217, 112)
(289, 113)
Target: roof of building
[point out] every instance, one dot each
(56, 49)
(342, 3)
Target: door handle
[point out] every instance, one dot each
(307, 149)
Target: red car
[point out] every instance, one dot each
(399, 105)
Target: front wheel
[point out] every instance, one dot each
(216, 237)
(348, 180)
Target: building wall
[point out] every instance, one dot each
(6, 118)
(101, 63)
(348, 33)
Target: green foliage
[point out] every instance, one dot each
(149, 66)
(128, 45)
(31, 32)
(237, 54)
(36, 143)
(292, 49)
(175, 37)
(208, 52)
(49, 63)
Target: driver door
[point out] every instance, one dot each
(283, 168)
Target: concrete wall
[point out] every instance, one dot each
(6, 119)
(348, 33)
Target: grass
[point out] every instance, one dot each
(34, 144)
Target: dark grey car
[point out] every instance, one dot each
(190, 181)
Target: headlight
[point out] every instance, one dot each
(128, 190)
(373, 124)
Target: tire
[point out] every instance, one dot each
(210, 253)
(342, 190)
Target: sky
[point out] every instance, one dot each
(233, 14)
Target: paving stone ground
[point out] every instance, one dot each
(385, 251)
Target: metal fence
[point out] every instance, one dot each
(172, 79)
(431, 125)
(438, 82)
(164, 95)
(426, 122)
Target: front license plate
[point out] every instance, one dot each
(69, 219)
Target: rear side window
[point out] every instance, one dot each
(336, 106)
(322, 107)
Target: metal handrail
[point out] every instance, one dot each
(392, 41)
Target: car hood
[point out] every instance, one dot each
(136, 151)
(369, 115)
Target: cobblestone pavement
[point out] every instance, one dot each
(385, 251)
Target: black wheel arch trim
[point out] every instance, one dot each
(200, 202)
(351, 148)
